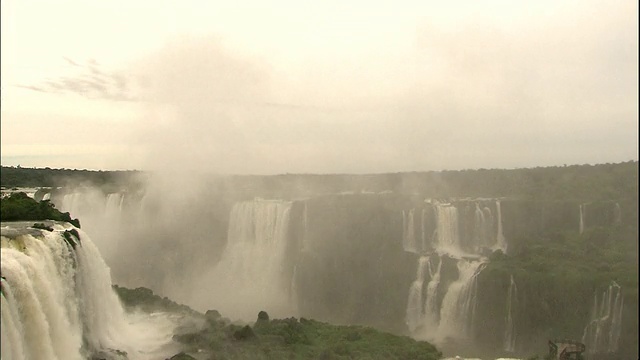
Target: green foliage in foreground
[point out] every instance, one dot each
(19, 206)
(302, 339)
(145, 300)
(217, 338)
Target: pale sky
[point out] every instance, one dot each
(252, 87)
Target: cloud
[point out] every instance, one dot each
(552, 87)
(89, 81)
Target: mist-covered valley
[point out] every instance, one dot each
(481, 263)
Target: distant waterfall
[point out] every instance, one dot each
(414, 304)
(501, 243)
(448, 239)
(510, 327)
(602, 334)
(251, 275)
(582, 210)
(437, 313)
(408, 234)
(431, 308)
(113, 205)
(482, 227)
(57, 302)
(617, 214)
(459, 304)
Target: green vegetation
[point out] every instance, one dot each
(47, 177)
(557, 275)
(291, 338)
(302, 339)
(145, 300)
(610, 182)
(19, 206)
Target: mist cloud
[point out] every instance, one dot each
(560, 88)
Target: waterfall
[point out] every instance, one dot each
(414, 304)
(582, 210)
(602, 334)
(252, 275)
(479, 226)
(57, 301)
(423, 230)
(510, 327)
(617, 215)
(431, 309)
(448, 240)
(408, 233)
(459, 304)
(501, 243)
(113, 205)
(424, 314)
(437, 314)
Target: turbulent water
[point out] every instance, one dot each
(251, 275)
(437, 313)
(602, 334)
(258, 264)
(510, 326)
(57, 302)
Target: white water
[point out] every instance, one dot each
(414, 304)
(582, 210)
(431, 308)
(251, 275)
(602, 334)
(453, 316)
(57, 303)
(408, 233)
(617, 214)
(459, 305)
(501, 242)
(448, 239)
(510, 326)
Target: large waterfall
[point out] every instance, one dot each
(442, 313)
(57, 300)
(251, 275)
(602, 334)
(510, 325)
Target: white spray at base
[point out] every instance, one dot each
(57, 303)
(441, 314)
(602, 334)
(251, 275)
(510, 326)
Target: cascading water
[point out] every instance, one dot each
(510, 326)
(448, 239)
(113, 205)
(409, 236)
(459, 304)
(431, 308)
(582, 210)
(440, 314)
(501, 242)
(57, 301)
(617, 214)
(414, 304)
(602, 334)
(251, 275)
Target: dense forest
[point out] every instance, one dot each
(575, 182)
(11, 177)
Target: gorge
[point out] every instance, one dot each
(473, 263)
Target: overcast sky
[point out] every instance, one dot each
(318, 87)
